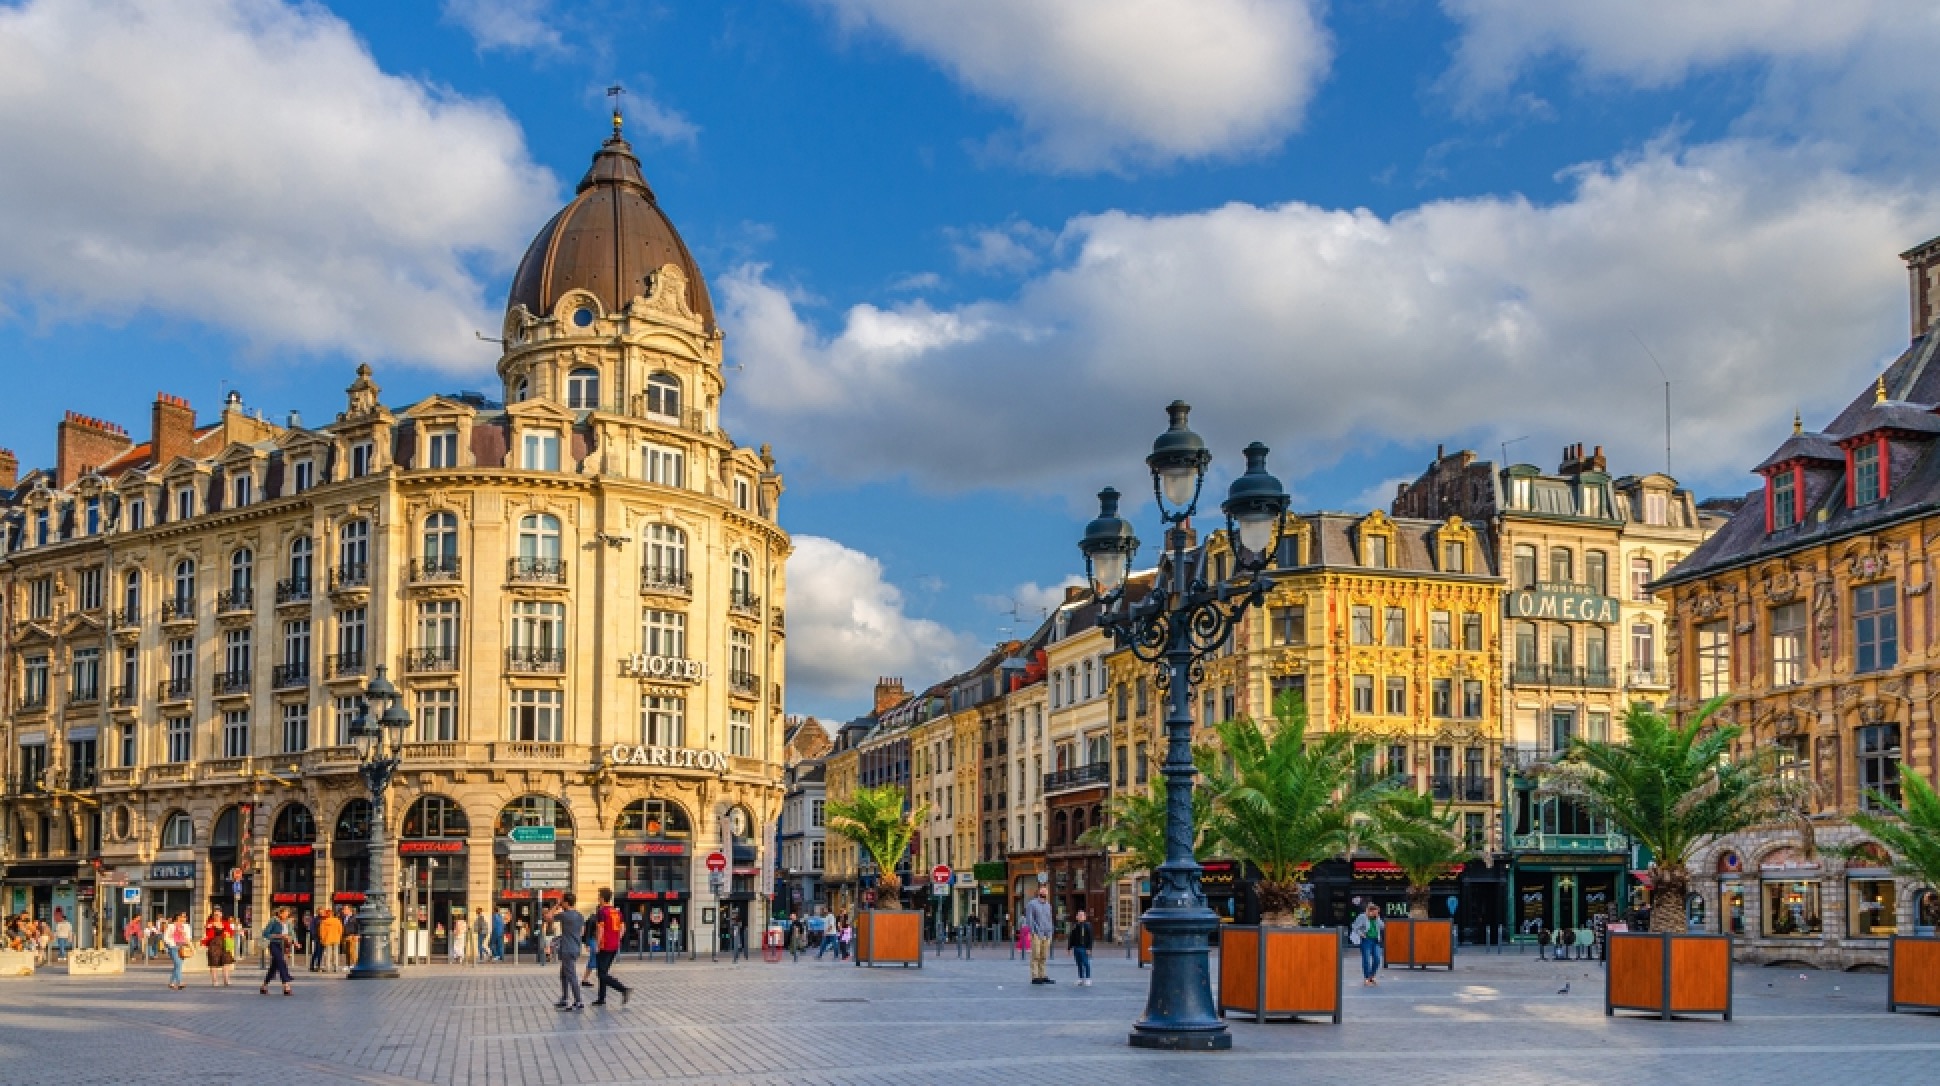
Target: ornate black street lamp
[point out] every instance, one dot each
(1186, 616)
(380, 742)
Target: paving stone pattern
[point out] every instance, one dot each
(1498, 1019)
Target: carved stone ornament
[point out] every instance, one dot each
(1868, 565)
(1782, 586)
(1872, 713)
(669, 293)
(1707, 605)
(1845, 696)
(1920, 589)
(1787, 725)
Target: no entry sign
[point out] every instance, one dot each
(940, 874)
(716, 862)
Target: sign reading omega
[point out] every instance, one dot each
(670, 757)
(677, 668)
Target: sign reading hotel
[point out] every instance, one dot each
(1560, 605)
(669, 757)
(672, 668)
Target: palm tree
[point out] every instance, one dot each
(1674, 789)
(1136, 827)
(1424, 844)
(1909, 828)
(875, 820)
(1283, 800)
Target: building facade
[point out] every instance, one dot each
(579, 593)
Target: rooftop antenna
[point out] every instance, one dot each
(1505, 448)
(1667, 398)
(615, 92)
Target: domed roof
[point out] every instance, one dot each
(607, 241)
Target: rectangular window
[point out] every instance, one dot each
(438, 716)
(743, 494)
(540, 450)
(351, 625)
(1865, 475)
(1643, 650)
(664, 633)
(1598, 730)
(1454, 557)
(1562, 729)
(1640, 578)
(1141, 764)
(40, 598)
(185, 503)
(1873, 908)
(1441, 696)
(296, 646)
(130, 751)
(360, 459)
(1876, 627)
(1377, 551)
(1397, 760)
(1289, 626)
(816, 816)
(178, 738)
(1714, 659)
(660, 464)
(741, 671)
(438, 631)
(305, 476)
(296, 728)
(90, 588)
(1656, 508)
(537, 717)
(1364, 693)
(137, 515)
(1527, 657)
(84, 678)
(663, 721)
(1397, 697)
(1472, 699)
(235, 733)
(1475, 830)
(741, 733)
(1471, 632)
(1562, 565)
(1525, 563)
(1562, 649)
(441, 449)
(1788, 644)
(241, 489)
(346, 712)
(235, 654)
(1792, 909)
(1362, 617)
(1441, 630)
(181, 660)
(1785, 499)
(1596, 572)
(1879, 765)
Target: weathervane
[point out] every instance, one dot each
(614, 92)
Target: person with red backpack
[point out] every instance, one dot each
(608, 925)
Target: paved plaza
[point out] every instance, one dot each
(1498, 1019)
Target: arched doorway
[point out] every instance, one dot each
(744, 870)
(653, 855)
(350, 853)
(433, 868)
(231, 883)
(528, 873)
(293, 858)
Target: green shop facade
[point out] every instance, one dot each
(1568, 868)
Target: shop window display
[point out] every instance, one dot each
(1926, 912)
(1792, 909)
(1873, 907)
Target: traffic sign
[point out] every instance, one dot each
(545, 884)
(546, 867)
(941, 874)
(716, 862)
(534, 834)
(131, 895)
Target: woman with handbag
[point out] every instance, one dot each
(219, 938)
(175, 938)
(279, 935)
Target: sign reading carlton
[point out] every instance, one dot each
(669, 757)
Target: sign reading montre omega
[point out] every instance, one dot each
(1563, 606)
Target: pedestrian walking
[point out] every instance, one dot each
(280, 936)
(353, 927)
(1366, 933)
(797, 936)
(819, 930)
(847, 937)
(152, 937)
(63, 934)
(461, 938)
(219, 943)
(481, 934)
(1078, 939)
(498, 935)
(1043, 926)
(132, 934)
(570, 926)
(330, 937)
(177, 938)
(608, 925)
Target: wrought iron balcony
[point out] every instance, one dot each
(286, 676)
(744, 682)
(1462, 787)
(233, 682)
(355, 575)
(33, 702)
(535, 661)
(744, 602)
(89, 694)
(180, 609)
(1654, 678)
(1568, 842)
(435, 658)
(1594, 678)
(126, 619)
(439, 568)
(235, 599)
(82, 777)
(671, 580)
(181, 689)
(122, 697)
(536, 570)
(1083, 776)
(344, 664)
(293, 590)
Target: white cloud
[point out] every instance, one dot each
(1376, 496)
(1029, 603)
(662, 122)
(1014, 247)
(247, 164)
(848, 626)
(1105, 83)
(506, 24)
(1761, 278)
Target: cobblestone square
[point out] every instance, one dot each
(1497, 1019)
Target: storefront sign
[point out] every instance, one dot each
(171, 873)
(671, 757)
(423, 848)
(291, 852)
(677, 668)
(289, 899)
(347, 897)
(653, 848)
(1566, 606)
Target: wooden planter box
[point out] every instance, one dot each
(889, 937)
(1913, 973)
(1279, 972)
(1668, 974)
(1419, 943)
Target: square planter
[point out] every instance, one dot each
(103, 962)
(1913, 973)
(1279, 972)
(889, 937)
(1419, 943)
(16, 963)
(1668, 974)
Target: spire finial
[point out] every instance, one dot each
(614, 92)
(1879, 390)
(1798, 424)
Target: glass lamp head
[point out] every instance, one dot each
(1108, 545)
(1255, 503)
(1178, 460)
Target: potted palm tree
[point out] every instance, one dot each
(1910, 830)
(1674, 788)
(1283, 800)
(1426, 845)
(877, 821)
(1135, 832)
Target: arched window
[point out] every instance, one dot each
(178, 831)
(654, 818)
(1087, 686)
(228, 831)
(665, 562)
(294, 826)
(539, 536)
(441, 541)
(663, 395)
(583, 389)
(521, 391)
(300, 551)
(741, 578)
(1060, 826)
(242, 572)
(435, 816)
(536, 811)
(353, 550)
(353, 822)
(131, 594)
(185, 584)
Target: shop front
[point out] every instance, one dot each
(40, 887)
(350, 854)
(433, 871)
(231, 883)
(653, 856)
(530, 872)
(1567, 896)
(740, 917)
(167, 889)
(1731, 894)
(1791, 893)
(293, 858)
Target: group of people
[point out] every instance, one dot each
(47, 942)
(821, 931)
(598, 937)
(1040, 928)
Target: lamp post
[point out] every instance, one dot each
(1186, 616)
(380, 742)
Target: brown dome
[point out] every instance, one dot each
(607, 241)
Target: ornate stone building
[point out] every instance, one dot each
(1813, 612)
(578, 591)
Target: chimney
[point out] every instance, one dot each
(82, 443)
(1074, 592)
(1575, 462)
(173, 432)
(1923, 284)
(888, 693)
(9, 469)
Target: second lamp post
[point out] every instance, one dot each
(380, 742)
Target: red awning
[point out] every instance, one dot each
(1383, 867)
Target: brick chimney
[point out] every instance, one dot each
(81, 443)
(1923, 284)
(1576, 462)
(888, 693)
(9, 469)
(173, 432)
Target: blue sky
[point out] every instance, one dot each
(964, 252)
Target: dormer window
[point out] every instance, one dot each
(94, 516)
(137, 515)
(185, 503)
(1454, 557)
(361, 458)
(1377, 551)
(41, 521)
(541, 450)
(306, 476)
(1656, 508)
(441, 448)
(1785, 500)
(241, 490)
(1865, 475)
(583, 388)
